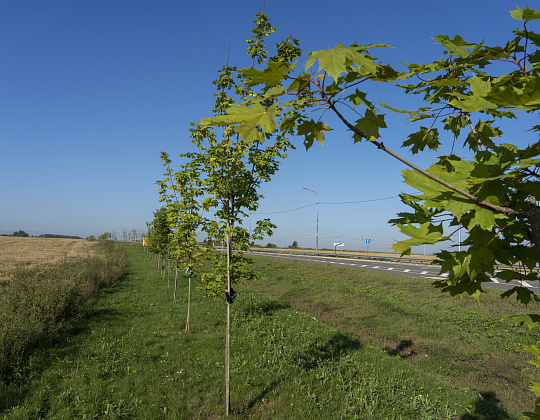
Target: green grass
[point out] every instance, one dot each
(472, 345)
(127, 356)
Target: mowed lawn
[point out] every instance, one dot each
(308, 342)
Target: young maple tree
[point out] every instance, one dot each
(181, 191)
(491, 194)
(158, 237)
(234, 164)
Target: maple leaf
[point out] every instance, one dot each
(335, 61)
(369, 125)
(312, 130)
(272, 76)
(423, 138)
(249, 118)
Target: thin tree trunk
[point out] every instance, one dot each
(163, 267)
(169, 270)
(228, 333)
(175, 284)
(189, 296)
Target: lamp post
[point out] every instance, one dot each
(317, 231)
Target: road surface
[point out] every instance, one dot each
(425, 271)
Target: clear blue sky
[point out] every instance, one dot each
(92, 91)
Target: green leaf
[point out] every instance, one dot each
(523, 295)
(454, 46)
(424, 138)
(455, 124)
(335, 61)
(249, 118)
(509, 275)
(485, 133)
(412, 114)
(369, 125)
(359, 98)
(531, 320)
(535, 351)
(312, 130)
(472, 104)
(270, 77)
(480, 87)
(524, 14)
(426, 233)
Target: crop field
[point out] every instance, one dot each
(29, 252)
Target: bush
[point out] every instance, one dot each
(36, 303)
(271, 245)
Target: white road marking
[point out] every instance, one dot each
(526, 284)
(389, 268)
(406, 271)
(424, 272)
(377, 266)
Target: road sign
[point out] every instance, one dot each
(338, 244)
(368, 241)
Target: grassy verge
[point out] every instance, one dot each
(37, 301)
(469, 344)
(128, 357)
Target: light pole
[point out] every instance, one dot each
(317, 231)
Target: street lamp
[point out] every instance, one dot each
(317, 231)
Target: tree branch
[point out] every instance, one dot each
(499, 209)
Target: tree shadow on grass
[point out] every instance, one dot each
(487, 407)
(267, 389)
(401, 349)
(338, 345)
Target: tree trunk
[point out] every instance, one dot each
(228, 333)
(169, 270)
(534, 219)
(163, 268)
(175, 285)
(189, 295)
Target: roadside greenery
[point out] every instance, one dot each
(492, 194)
(127, 357)
(181, 191)
(223, 179)
(37, 302)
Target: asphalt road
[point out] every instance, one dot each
(424, 271)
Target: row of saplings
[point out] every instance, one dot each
(491, 194)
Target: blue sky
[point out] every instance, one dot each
(91, 92)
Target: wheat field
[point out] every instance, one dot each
(27, 252)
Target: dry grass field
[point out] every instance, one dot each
(26, 252)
